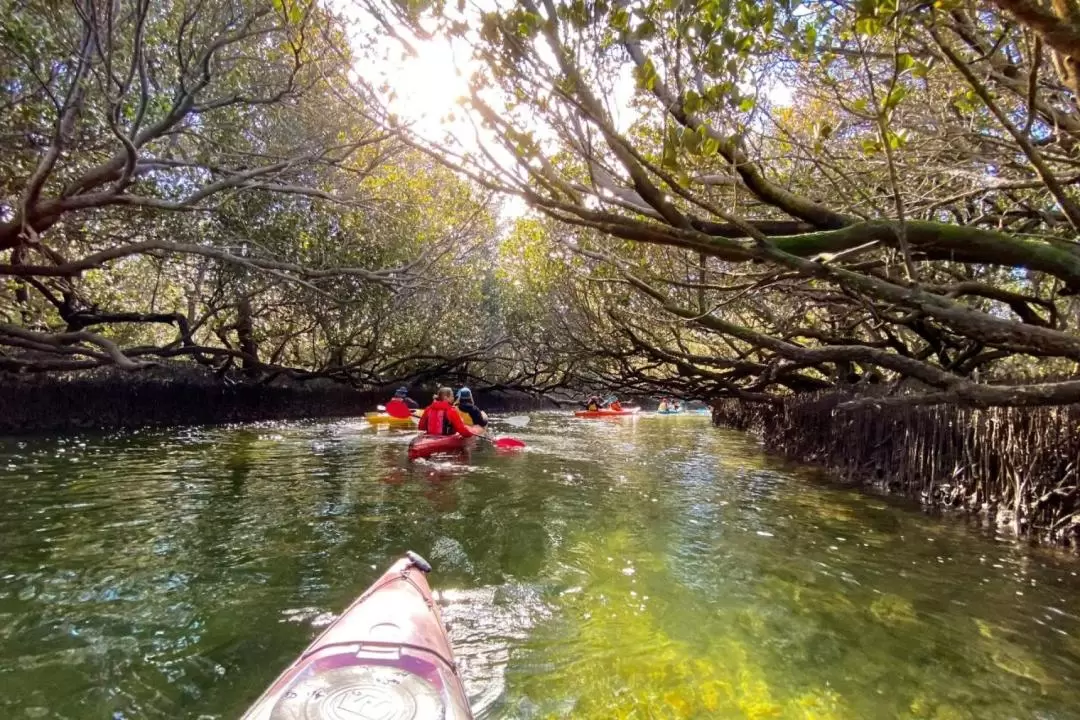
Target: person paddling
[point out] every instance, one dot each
(440, 417)
(593, 403)
(466, 405)
(401, 405)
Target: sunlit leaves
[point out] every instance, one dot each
(646, 75)
(620, 19)
(691, 102)
(895, 96)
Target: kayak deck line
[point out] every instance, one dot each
(452, 664)
(386, 657)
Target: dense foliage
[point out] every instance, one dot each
(740, 198)
(775, 196)
(204, 181)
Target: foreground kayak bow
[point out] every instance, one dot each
(386, 658)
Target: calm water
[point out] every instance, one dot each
(656, 568)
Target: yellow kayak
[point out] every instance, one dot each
(381, 418)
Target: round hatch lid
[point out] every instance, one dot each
(360, 692)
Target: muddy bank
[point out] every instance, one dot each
(1012, 466)
(123, 400)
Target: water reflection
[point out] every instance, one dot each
(615, 569)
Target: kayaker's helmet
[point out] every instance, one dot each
(401, 392)
(464, 394)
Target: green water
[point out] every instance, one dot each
(655, 568)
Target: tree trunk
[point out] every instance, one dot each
(245, 335)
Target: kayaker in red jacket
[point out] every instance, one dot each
(401, 405)
(442, 418)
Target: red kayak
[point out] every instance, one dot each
(606, 413)
(424, 445)
(386, 658)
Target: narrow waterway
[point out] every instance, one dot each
(654, 568)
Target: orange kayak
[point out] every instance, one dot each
(606, 413)
(387, 656)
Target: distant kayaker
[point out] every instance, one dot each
(466, 405)
(440, 417)
(615, 405)
(593, 403)
(402, 402)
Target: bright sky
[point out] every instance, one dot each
(426, 89)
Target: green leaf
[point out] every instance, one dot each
(620, 19)
(691, 141)
(905, 62)
(747, 104)
(868, 27)
(692, 103)
(646, 74)
(898, 93)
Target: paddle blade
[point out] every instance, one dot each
(398, 410)
(508, 443)
(519, 421)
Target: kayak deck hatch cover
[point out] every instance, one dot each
(386, 658)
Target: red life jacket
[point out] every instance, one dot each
(436, 419)
(398, 408)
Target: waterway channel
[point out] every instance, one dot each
(650, 568)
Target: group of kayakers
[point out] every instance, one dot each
(669, 404)
(444, 415)
(595, 402)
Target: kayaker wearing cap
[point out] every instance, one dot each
(401, 405)
(440, 417)
(615, 404)
(466, 405)
(593, 403)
